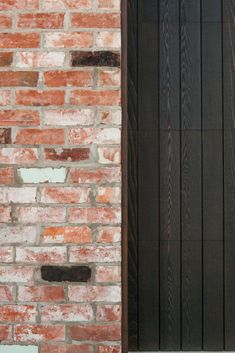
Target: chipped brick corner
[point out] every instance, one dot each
(60, 176)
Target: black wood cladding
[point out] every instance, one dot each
(181, 105)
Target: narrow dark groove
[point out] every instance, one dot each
(180, 98)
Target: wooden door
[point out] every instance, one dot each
(181, 166)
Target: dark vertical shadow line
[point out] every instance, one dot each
(222, 54)
(137, 172)
(202, 196)
(180, 158)
(159, 184)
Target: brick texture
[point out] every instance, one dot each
(60, 175)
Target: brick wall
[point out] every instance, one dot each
(60, 174)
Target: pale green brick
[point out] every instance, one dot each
(18, 349)
(42, 175)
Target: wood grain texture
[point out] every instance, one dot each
(229, 169)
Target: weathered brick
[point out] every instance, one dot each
(5, 97)
(10, 155)
(109, 235)
(5, 136)
(108, 40)
(18, 195)
(95, 215)
(101, 175)
(107, 313)
(6, 294)
(39, 59)
(110, 117)
(97, 333)
(95, 20)
(84, 254)
(41, 20)
(38, 333)
(95, 58)
(18, 78)
(19, 40)
(41, 255)
(18, 234)
(19, 274)
(67, 154)
(19, 118)
(84, 136)
(69, 117)
(108, 349)
(110, 294)
(17, 313)
(41, 294)
(5, 214)
(65, 195)
(66, 4)
(108, 195)
(92, 97)
(39, 98)
(63, 348)
(66, 313)
(42, 175)
(68, 40)
(19, 4)
(109, 78)
(41, 214)
(6, 254)
(5, 333)
(67, 235)
(109, 4)
(109, 155)
(5, 21)
(40, 136)
(108, 274)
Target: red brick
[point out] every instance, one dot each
(110, 294)
(5, 21)
(19, 274)
(109, 235)
(95, 20)
(108, 349)
(42, 255)
(68, 78)
(5, 97)
(95, 215)
(40, 137)
(19, 118)
(5, 214)
(41, 294)
(68, 40)
(6, 254)
(84, 136)
(67, 312)
(92, 97)
(5, 136)
(39, 98)
(19, 4)
(96, 333)
(108, 195)
(6, 293)
(17, 313)
(70, 348)
(107, 313)
(41, 20)
(18, 78)
(108, 274)
(38, 333)
(102, 175)
(65, 195)
(66, 4)
(67, 154)
(41, 214)
(19, 40)
(109, 78)
(66, 235)
(9, 155)
(5, 333)
(95, 253)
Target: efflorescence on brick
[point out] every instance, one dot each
(60, 176)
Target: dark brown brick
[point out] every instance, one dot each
(96, 58)
(66, 274)
(6, 59)
(5, 136)
(67, 154)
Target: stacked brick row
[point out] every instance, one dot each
(60, 192)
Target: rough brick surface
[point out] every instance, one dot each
(60, 176)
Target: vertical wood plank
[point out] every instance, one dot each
(191, 175)
(229, 168)
(212, 112)
(132, 177)
(169, 83)
(148, 175)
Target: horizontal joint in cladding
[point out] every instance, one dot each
(95, 58)
(66, 274)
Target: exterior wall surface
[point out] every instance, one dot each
(60, 176)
